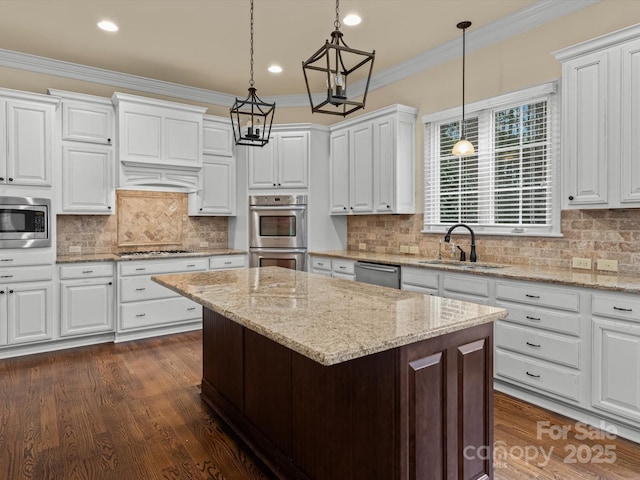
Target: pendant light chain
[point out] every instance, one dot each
(464, 123)
(337, 22)
(251, 82)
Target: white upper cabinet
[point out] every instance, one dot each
(158, 133)
(373, 162)
(600, 118)
(281, 163)
(217, 137)
(26, 138)
(217, 195)
(87, 122)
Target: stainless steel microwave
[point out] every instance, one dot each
(25, 222)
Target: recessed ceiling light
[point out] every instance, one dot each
(352, 19)
(108, 26)
(275, 69)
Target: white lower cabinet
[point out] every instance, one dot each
(227, 262)
(616, 356)
(147, 308)
(86, 299)
(344, 269)
(420, 280)
(320, 265)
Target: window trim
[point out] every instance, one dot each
(430, 128)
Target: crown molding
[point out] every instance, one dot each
(537, 14)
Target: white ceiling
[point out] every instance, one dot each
(205, 43)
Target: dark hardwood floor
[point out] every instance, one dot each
(133, 411)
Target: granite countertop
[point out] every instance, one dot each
(114, 257)
(577, 278)
(326, 319)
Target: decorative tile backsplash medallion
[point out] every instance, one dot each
(150, 218)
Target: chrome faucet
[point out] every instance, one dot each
(472, 254)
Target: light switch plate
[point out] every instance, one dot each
(607, 265)
(204, 244)
(75, 249)
(404, 248)
(362, 246)
(581, 263)
(413, 249)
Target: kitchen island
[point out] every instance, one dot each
(330, 379)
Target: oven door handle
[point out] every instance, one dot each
(278, 208)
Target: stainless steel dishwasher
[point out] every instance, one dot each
(378, 274)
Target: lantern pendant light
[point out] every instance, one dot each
(463, 146)
(252, 117)
(332, 68)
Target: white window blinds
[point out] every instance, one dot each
(507, 186)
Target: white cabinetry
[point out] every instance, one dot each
(26, 290)
(616, 355)
(420, 280)
(87, 173)
(26, 138)
(600, 121)
(320, 265)
(372, 162)
(86, 298)
(227, 262)
(147, 308)
(217, 195)
(344, 269)
(281, 163)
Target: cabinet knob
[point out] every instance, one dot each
(279, 184)
(388, 206)
(1, 292)
(10, 291)
(1, 179)
(344, 208)
(109, 140)
(274, 184)
(351, 208)
(110, 283)
(108, 207)
(10, 179)
(200, 209)
(570, 197)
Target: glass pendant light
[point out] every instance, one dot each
(463, 146)
(331, 69)
(252, 117)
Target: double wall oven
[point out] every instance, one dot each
(278, 231)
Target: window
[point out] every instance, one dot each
(507, 186)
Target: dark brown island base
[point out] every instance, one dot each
(330, 379)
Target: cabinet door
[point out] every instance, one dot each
(630, 125)
(140, 137)
(293, 159)
(361, 164)
(4, 295)
(585, 130)
(262, 166)
(217, 139)
(87, 180)
(339, 182)
(87, 123)
(183, 141)
(384, 173)
(217, 195)
(86, 306)
(29, 143)
(29, 312)
(616, 368)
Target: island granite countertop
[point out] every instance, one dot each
(572, 277)
(328, 320)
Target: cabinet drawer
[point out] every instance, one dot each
(472, 286)
(86, 270)
(25, 257)
(420, 277)
(535, 295)
(134, 289)
(531, 317)
(556, 380)
(344, 276)
(320, 264)
(26, 274)
(221, 263)
(616, 306)
(158, 266)
(159, 312)
(539, 344)
(343, 266)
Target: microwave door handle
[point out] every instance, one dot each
(277, 208)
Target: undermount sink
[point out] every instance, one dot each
(450, 263)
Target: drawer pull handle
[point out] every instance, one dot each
(140, 289)
(87, 271)
(533, 345)
(6, 260)
(191, 265)
(531, 296)
(228, 263)
(191, 308)
(141, 315)
(320, 264)
(533, 375)
(141, 269)
(528, 317)
(623, 309)
(6, 276)
(342, 267)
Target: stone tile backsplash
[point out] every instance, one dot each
(607, 234)
(99, 233)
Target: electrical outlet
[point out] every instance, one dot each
(607, 265)
(413, 249)
(404, 248)
(75, 249)
(581, 263)
(362, 246)
(204, 244)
